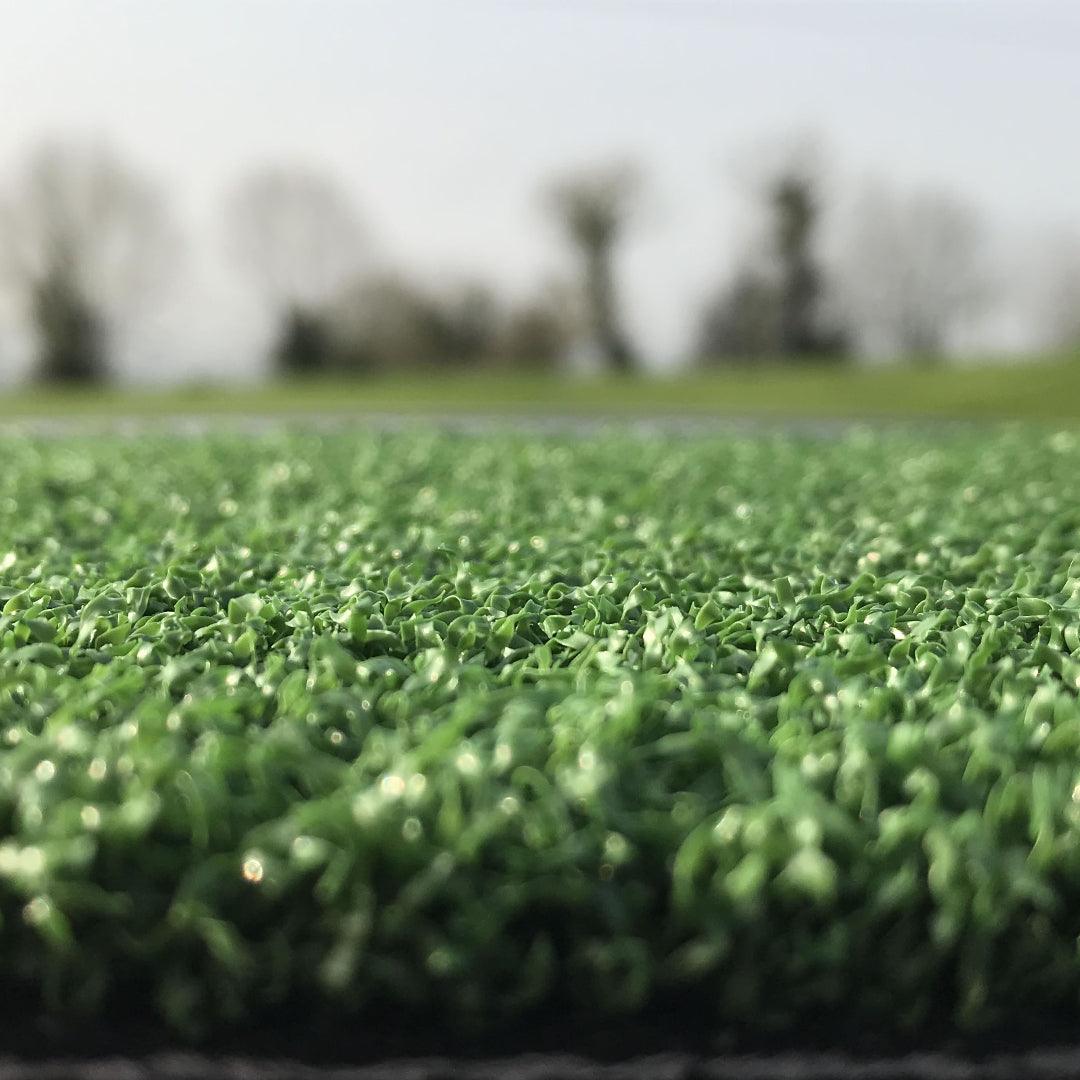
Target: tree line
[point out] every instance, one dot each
(83, 237)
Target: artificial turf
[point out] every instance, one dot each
(482, 727)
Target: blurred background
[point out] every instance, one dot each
(216, 192)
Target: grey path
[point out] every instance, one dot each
(661, 424)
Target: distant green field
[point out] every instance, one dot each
(475, 728)
(1038, 390)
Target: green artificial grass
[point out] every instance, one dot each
(481, 726)
(1047, 389)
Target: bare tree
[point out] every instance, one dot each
(295, 232)
(910, 269)
(594, 208)
(82, 240)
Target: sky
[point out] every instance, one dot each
(442, 118)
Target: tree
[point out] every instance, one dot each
(71, 333)
(468, 324)
(295, 233)
(742, 323)
(384, 322)
(536, 334)
(775, 305)
(82, 240)
(800, 287)
(594, 209)
(305, 343)
(911, 269)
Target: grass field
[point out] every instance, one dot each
(1044, 390)
(480, 726)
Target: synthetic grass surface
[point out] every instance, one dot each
(487, 726)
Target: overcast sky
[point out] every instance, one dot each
(443, 116)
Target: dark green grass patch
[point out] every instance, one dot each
(488, 725)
